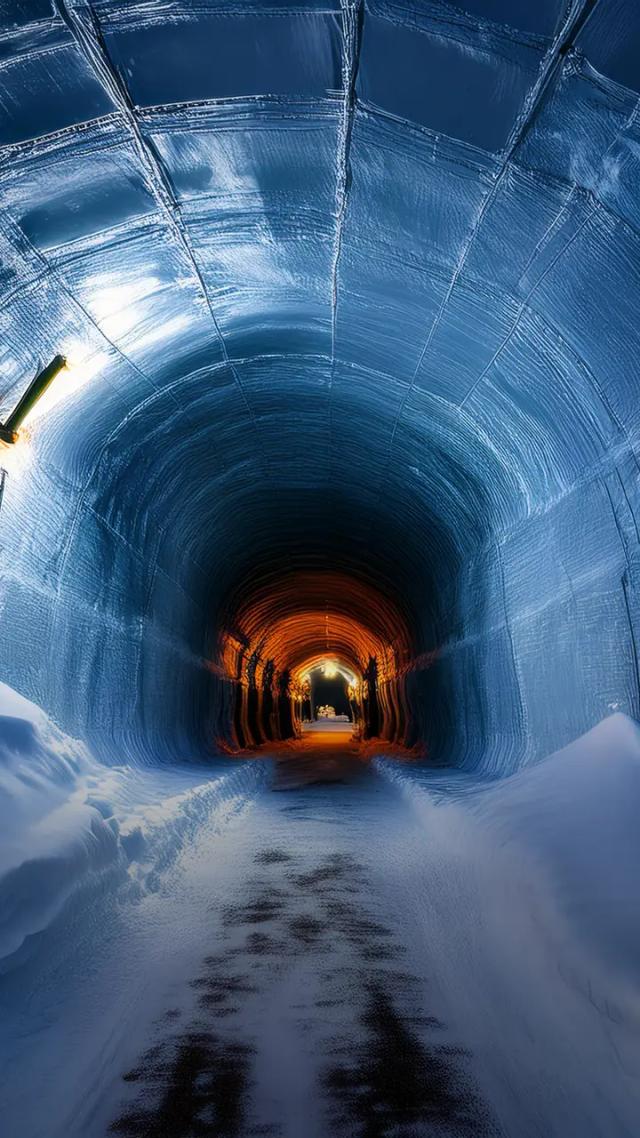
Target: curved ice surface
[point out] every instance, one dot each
(360, 277)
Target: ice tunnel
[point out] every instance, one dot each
(349, 294)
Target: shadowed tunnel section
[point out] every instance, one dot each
(351, 295)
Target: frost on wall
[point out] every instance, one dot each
(345, 286)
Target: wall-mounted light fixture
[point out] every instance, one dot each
(35, 390)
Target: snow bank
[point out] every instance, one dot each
(52, 836)
(568, 827)
(577, 812)
(65, 818)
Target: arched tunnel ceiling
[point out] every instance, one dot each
(303, 617)
(301, 213)
(343, 285)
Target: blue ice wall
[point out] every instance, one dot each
(350, 285)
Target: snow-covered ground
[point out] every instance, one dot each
(368, 955)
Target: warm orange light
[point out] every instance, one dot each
(316, 620)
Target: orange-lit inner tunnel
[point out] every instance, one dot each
(288, 627)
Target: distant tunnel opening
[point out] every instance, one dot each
(308, 640)
(329, 692)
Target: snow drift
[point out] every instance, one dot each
(568, 828)
(66, 819)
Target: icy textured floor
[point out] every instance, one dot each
(321, 945)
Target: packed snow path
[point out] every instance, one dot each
(311, 1014)
(327, 955)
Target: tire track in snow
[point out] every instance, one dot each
(306, 1021)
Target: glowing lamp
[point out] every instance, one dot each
(330, 671)
(34, 392)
